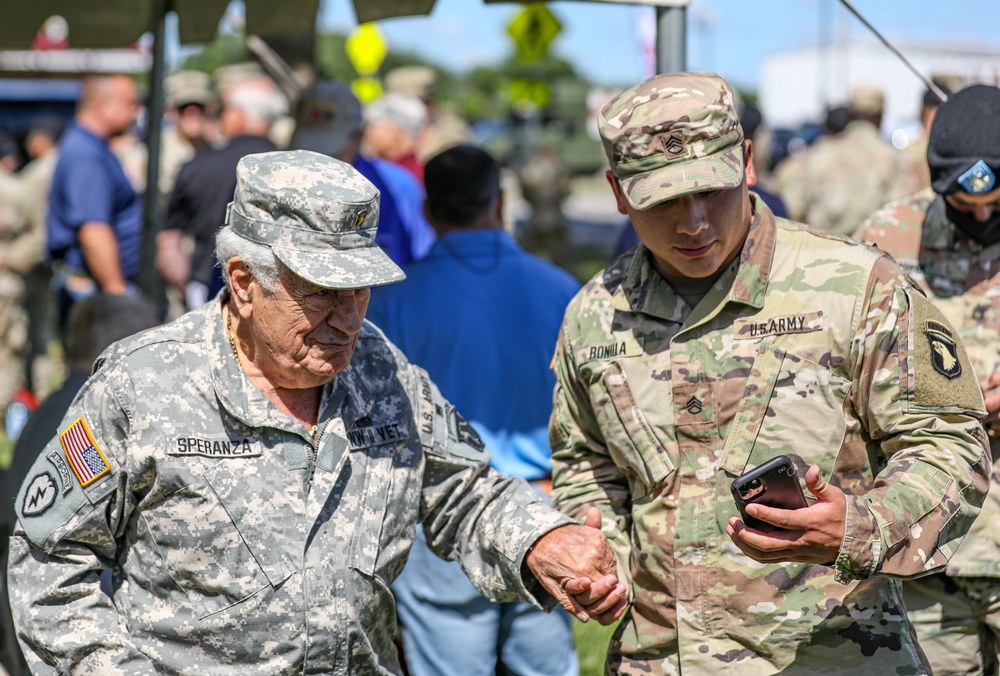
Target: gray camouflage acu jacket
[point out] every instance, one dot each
(237, 546)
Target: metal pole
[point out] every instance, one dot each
(671, 39)
(149, 279)
(930, 85)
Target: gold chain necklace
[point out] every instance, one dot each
(232, 338)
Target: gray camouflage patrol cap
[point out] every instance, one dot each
(318, 215)
(673, 134)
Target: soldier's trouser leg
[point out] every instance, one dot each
(957, 620)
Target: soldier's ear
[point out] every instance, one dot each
(748, 169)
(239, 278)
(617, 190)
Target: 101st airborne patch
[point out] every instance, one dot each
(940, 366)
(944, 351)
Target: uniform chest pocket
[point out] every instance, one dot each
(206, 553)
(803, 414)
(631, 441)
(376, 465)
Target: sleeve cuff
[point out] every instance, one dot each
(861, 550)
(530, 589)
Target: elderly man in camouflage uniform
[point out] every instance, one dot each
(253, 472)
(948, 238)
(726, 338)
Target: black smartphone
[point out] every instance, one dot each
(774, 484)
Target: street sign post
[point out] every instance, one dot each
(533, 29)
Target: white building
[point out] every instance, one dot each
(796, 86)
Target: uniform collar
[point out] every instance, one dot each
(645, 290)
(232, 386)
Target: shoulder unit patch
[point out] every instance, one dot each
(944, 352)
(39, 495)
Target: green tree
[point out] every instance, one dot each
(226, 49)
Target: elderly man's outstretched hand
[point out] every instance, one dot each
(576, 565)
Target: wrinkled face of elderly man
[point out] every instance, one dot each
(301, 334)
(300, 258)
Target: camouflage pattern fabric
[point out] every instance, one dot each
(916, 158)
(841, 180)
(446, 129)
(658, 148)
(36, 177)
(237, 544)
(962, 278)
(175, 152)
(21, 247)
(324, 229)
(812, 346)
(957, 621)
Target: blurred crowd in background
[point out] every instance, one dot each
(830, 174)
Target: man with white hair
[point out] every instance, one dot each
(198, 203)
(253, 473)
(393, 127)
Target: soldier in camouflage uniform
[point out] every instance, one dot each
(726, 338)
(948, 238)
(842, 179)
(21, 248)
(253, 472)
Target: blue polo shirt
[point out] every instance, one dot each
(482, 317)
(89, 184)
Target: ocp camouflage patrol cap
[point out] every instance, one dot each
(318, 215)
(671, 135)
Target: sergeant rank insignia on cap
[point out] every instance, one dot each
(86, 459)
(978, 179)
(944, 352)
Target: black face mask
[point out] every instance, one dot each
(985, 232)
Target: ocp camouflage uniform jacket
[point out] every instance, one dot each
(812, 346)
(237, 545)
(962, 278)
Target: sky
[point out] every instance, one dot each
(611, 43)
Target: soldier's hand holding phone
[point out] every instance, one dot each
(803, 534)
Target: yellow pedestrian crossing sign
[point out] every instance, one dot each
(533, 29)
(366, 48)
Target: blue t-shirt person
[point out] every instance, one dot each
(482, 317)
(89, 184)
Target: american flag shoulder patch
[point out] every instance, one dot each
(83, 453)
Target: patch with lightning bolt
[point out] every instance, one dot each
(39, 495)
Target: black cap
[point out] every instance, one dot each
(963, 151)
